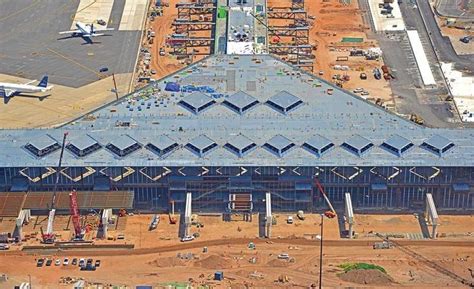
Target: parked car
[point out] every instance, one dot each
(88, 267)
(57, 262)
(40, 262)
(97, 263)
(49, 262)
(289, 220)
(187, 238)
(284, 256)
(82, 262)
(74, 262)
(66, 262)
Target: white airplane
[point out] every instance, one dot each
(8, 90)
(86, 31)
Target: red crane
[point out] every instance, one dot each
(76, 217)
(332, 213)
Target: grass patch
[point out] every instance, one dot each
(364, 266)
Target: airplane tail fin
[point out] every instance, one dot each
(92, 28)
(44, 82)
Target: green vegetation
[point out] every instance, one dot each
(364, 266)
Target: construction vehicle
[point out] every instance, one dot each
(122, 212)
(465, 39)
(171, 215)
(416, 119)
(332, 213)
(76, 217)
(300, 215)
(49, 237)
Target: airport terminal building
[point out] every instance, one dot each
(232, 126)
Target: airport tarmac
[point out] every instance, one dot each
(60, 105)
(32, 47)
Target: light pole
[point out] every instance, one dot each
(321, 254)
(29, 280)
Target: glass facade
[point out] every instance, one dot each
(292, 188)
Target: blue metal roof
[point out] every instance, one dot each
(337, 118)
(240, 101)
(438, 142)
(397, 142)
(42, 142)
(284, 101)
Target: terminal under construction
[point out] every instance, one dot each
(234, 128)
(233, 133)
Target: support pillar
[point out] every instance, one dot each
(23, 217)
(268, 215)
(349, 214)
(431, 214)
(106, 216)
(187, 214)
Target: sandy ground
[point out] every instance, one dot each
(155, 259)
(59, 105)
(162, 26)
(333, 22)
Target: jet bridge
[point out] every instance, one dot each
(349, 214)
(431, 215)
(187, 214)
(268, 215)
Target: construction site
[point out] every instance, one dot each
(261, 148)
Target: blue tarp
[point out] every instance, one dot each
(379, 187)
(461, 187)
(172, 86)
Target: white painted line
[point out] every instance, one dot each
(420, 57)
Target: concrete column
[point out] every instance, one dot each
(268, 215)
(349, 214)
(431, 214)
(187, 214)
(106, 216)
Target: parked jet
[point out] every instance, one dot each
(86, 31)
(8, 90)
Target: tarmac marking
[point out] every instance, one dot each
(77, 63)
(19, 11)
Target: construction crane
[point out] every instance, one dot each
(49, 237)
(76, 217)
(332, 213)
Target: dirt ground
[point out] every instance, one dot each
(159, 257)
(259, 268)
(162, 26)
(333, 22)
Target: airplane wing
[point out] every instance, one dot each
(30, 82)
(70, 31)
(103, 29)
(6, 93)
(96, 34)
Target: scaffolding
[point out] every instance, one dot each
(291, 41)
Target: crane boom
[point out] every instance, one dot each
(49, 237)
(321, 189)
(75, 214)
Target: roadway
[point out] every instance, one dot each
(443, 47)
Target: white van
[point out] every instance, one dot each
(289, 220)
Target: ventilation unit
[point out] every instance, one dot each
(438, 145)
(358, 145)
(42, 146)
(279, 145)
(318, 145)
(397, 145)
(201, 145)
